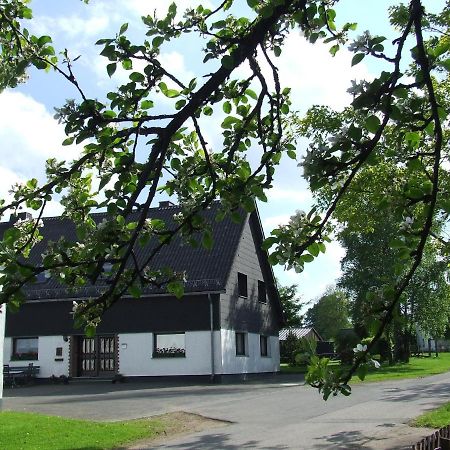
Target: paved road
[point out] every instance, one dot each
(276, 414)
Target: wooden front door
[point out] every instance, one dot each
(97, 356)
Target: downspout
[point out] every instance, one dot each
(211, 324)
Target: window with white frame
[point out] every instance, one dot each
(241, 344)
(169, 345)
(25, 348)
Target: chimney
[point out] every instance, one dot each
(20, 216)
(166, 204)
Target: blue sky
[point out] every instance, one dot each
(29, 134)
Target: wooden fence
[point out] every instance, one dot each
(439, 440)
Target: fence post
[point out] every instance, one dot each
(445, 443)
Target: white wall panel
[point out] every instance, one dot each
(46, 356)
(135, 356)
(253, 362)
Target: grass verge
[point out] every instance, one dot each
(416, 368)
(31, 431)
(437, 418)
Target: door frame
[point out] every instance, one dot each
(77, 356)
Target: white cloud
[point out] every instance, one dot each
(72, 26)
(269, 223)
(315, 76)
(144, 7)
(291, 195)
(29, 136)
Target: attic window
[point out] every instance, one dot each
(42, 277)
(106, 270)
(242, 285)
(262, 296)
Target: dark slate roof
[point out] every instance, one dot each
(206, 270)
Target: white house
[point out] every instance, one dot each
(227, 323)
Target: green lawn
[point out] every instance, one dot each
(437, 418)
(417, 367)
(29, 431)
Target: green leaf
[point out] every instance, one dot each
(135, 291)
(268, 242)
(357, 58)
(147, 104)
(277, 51)
(445, 64)
(307, 258)
(39, 64)
(172, 93)
(251, 94)
(334, 49)
(207, 111)
(226, 107)
(180, 103)
(137, 77)
(123, 28)
(227, 62)
(44, 40)
(90, 330)
(372, 123)
(176, 288)
(207, 240)
(111, 68)
(157, 41)
(314, 249)
(127, 64)
(68, 141)
(292, 154)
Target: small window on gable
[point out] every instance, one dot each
(241, 344)
(262, 296)
(42, 277)
(242, 285)
(106, 270)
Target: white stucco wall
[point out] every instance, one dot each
(253, 362)
(135, 355)
(2, 336)
(46, 356)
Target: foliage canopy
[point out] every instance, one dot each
(400, 116)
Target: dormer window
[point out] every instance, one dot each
(242, 285)
(106, 270)
(42, 277)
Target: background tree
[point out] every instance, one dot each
(329, 314)
(292, 305)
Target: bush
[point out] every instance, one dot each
(297, 351)
(346, 341)
(306, 348)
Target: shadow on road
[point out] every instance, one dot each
(220, 441)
